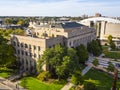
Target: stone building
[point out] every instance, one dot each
(29, 48)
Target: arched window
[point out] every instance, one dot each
(21, 44)
(26, 46)
(14, 43)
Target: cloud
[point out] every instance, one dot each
(58, 7)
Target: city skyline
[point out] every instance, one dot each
(59, 7)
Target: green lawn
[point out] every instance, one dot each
(102, 80)
(113, 55)
(5, 72)
(35, 84)
(108, 54)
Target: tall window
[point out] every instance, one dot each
(21, 44)
(26, 46)
(26, 53)
(22, 52)
(35, 56)
(39, 56)
(18, 44)
(38, 48)
(30, 54)
(29, 46)
(14, 43)
(34, 47)
(18, 51)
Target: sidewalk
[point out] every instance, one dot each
(9, 85)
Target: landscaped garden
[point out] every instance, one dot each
(5, 72)
(113, 55)
(110, 54)
(32, 83)
(102, 80)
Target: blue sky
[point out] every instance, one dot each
(59, 7)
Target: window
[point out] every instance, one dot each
(22, 60)
(22, 52)
(26, 46)
(34, 47)
(21, 44)
(29, 46)
(18, 51)
(37, 33)
(30, 54)
(15, 51)
(26, 62)
(26, 53)
(34, 55)
(14, 43)
(39, 56)
(18, 44)
(70, 43)
(38, 48)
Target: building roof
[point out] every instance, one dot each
(64, 25)
(109, 20)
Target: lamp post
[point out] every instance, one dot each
(115, 79)
(17, 85)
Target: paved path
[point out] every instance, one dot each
(4, 87)
(84, 71)
(67, 86)
(8, 85)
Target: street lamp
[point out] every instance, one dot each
(17, 85)
(115, 79)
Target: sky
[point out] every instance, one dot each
(59, 7)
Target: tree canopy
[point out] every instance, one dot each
(6, 53)
(94, 48)
(59, 61)
(82, 53)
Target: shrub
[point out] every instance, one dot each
(110, 67)
(95, 62)
(44, 76)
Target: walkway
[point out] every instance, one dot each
(8, 85)
(67, 86)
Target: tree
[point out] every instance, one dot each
(6, 53)
(8, 21)
(110, 67)
(77, 78)
(59, 61)
(95, 62)
(111, 43)
(74, 59)
(110, 39)
(63, 70)
(82, 53)
(94, 48)
(53, 58)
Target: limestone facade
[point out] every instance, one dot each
(29, 49)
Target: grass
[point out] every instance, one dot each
(5, 72)
(102, 80)
(108, 54)
(35, 84)
(113, 55)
